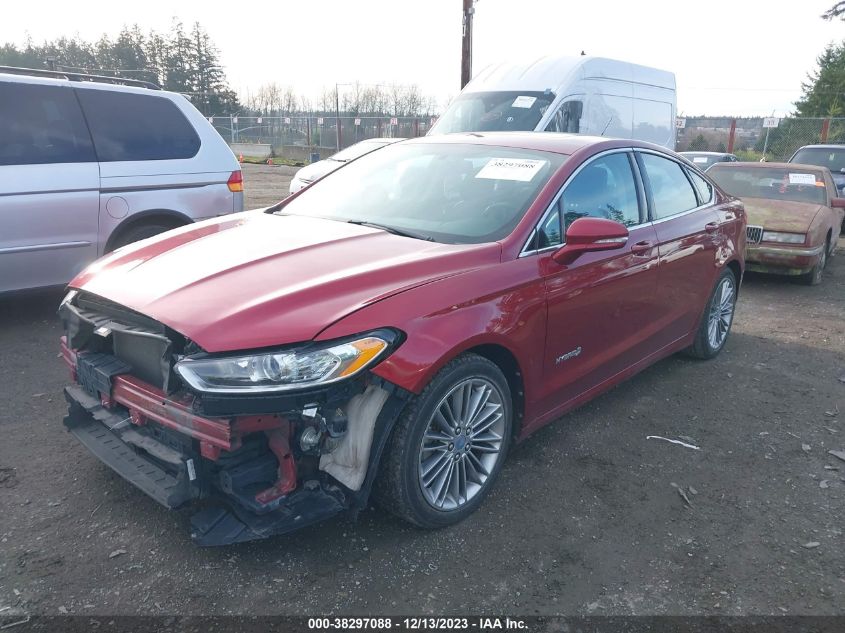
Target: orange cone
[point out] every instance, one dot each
(240, 158)
(269, 161)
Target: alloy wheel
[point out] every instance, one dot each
(721, 313)
(462, 443)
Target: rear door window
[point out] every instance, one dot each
(671, 191)
(132, 126)
(41, 125)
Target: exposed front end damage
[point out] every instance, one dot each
(256, 466)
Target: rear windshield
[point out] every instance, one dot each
(451, 193)
(832, 158)
(494, 111)
(794, 185)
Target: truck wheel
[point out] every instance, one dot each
(448, 446)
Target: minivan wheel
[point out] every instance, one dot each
(449, 445)
(138, 233)
(814, 277)
(717, 318)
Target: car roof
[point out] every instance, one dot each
(705, 153)
(87, 85)
(822, 146)
(555, 142)
(784, 166)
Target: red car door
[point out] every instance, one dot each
(688, 239)
(600, 307)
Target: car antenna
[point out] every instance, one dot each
(607, 125)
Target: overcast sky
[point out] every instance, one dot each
(740, 57)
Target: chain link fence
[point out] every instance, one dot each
(297, 137)
(756, 138)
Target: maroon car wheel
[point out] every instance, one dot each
(449, 445)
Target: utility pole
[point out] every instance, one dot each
(466, 43)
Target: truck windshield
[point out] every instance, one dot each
(494, 111)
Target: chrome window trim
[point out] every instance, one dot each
(688, 211)
(524, 252)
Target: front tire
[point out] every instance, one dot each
(449, 445)
(717, 318)
(814, 277)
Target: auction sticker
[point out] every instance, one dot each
(523, 101)
(523, 169)
(699, 159)
(802, 179)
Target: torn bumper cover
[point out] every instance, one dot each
(782, 260)
(255, 474)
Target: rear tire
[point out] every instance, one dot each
(717, 318)
(460, 426)
(814, 277)
(138, 233)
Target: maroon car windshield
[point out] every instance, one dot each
(775, 183)
(451, 193)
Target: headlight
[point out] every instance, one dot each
(784, 238)
(285, 370)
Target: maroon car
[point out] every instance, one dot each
(394, 327)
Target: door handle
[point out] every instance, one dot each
(641, 248)
(711, 227)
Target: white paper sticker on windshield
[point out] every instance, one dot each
(523, 102)
(523, 169)
(802, 179)
(699, 159)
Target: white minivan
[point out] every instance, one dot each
(87, 166)
(582, 95)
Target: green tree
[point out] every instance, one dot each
(823, 91)
(699, 144)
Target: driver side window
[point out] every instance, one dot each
(567, 118)
(604, 188)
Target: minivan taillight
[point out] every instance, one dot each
(236, 181)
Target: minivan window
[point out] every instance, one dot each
(605, 188)
(671, 191)
(132, 126)
(494, 111)
(41, 125)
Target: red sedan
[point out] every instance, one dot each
(394, 327)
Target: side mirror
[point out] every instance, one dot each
(837, 203)
(588, 235)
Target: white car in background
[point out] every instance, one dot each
(315, 171)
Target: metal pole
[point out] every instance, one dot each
(766, 142)
(466, 43)
(337, 116)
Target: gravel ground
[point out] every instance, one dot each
(266, 184)
(586, 519)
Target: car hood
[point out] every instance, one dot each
(256, 280)
(781, 215)
(312, 172)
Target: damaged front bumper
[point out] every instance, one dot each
(254, 475)
(782, 260)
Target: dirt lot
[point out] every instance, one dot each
(266, 184)
(587, 518)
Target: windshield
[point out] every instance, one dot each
(830, 157)
(795, 185)
(359, 149)
(494, 111)
(458, 194)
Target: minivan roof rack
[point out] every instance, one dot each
(71, 76)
